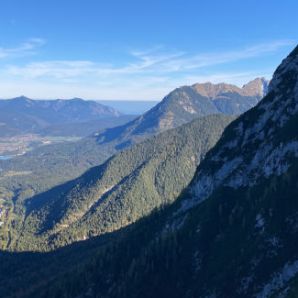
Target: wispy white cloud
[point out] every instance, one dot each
(149, 74)
(183, 61)
(145, 63)
(209, 59)
(55, 69)
(28, 47)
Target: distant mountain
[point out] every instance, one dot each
(23, 115)
(232, 233)
(257, 87)
(230, 99)
(185, 104)
(125, 188)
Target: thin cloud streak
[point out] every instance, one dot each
(204, 60)
(146, 63)
(28, 47)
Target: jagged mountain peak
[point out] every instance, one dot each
(211, 90)
(257, 87)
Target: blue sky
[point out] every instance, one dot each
(138, 49)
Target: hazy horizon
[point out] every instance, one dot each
(128, 99)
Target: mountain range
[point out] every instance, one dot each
(23, 115)
(66, 161)
(185, 104)
(77, 117)
(232, 232)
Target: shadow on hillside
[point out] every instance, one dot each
(20, 272)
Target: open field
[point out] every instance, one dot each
(19, 145)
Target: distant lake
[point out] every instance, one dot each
(5, 157)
